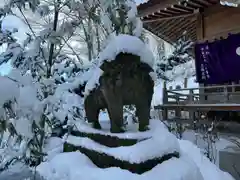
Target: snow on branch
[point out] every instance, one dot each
(120, 17)
(179, 63)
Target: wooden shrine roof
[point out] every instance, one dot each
(169, 19)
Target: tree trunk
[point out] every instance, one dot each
(98, 38)
(51, 50)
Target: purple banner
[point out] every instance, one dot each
(218, 62)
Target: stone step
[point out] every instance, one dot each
(104, 160)
(107, 140)
(135, 151)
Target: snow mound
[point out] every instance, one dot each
(126, 44)
(75, 165)
(209, 170)
(53, 146)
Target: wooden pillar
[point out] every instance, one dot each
(200, 26)
(178, 110)
(200, 36)
(191, 101)
(233, 88)
(185, 82)
(202, 97)
(225, 91)
(165, 100)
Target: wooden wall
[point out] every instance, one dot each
(217, 21)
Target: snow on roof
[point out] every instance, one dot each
(231, 3)
(126, 44)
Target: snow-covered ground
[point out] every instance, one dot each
(222, 142)
(75, 165)
(191, 165)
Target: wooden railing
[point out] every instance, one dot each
(218, 94)
(210, 97)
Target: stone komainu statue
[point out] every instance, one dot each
(125, 81)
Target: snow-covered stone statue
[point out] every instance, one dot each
(123, 76)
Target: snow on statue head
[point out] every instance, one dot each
(122, 77)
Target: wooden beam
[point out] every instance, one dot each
(158, 34)
(204, 2)
(177, 8)
(164, 13)
(168, 18)
(161, 15)
(153, 16)
(168, 29)
(156, 26)
(200, 27)
(153, 25)
(163, 24)
(180, 6)
(151, 29)
(195, 37)
(187, 26)
(184, 5)
(217, 107)
(214, 1)
(190, 31)
(155, 7)
(180, 26)
(194, 4)
(172, 11)
(156, 15)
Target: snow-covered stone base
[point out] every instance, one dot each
(167, 157)
(151, 144)
(137, 154)
(107, 140)
(104, 160)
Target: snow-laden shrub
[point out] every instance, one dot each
(37, 98)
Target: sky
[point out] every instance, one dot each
(140, 1)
